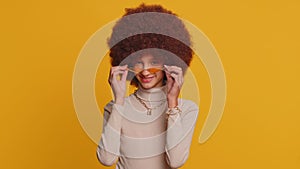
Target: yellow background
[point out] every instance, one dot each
(258, 43)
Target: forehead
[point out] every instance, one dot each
(149, 57)
(147, 54)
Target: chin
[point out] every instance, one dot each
(147, 86)
(150, 82)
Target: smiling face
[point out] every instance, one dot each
(149, 71)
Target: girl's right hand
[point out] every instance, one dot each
(117, 84)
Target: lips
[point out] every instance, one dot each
(146, 79)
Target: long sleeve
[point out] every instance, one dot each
(109, 145)
(179, 134)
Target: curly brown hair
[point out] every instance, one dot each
(128, 37)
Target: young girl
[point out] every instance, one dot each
(151, 128)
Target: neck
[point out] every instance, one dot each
(153, 94)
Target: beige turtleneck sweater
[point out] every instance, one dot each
(136, 140)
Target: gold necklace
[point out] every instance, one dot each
(149, 109)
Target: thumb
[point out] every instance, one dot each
(124, 75)
(170, 81)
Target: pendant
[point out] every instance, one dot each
(149, 112)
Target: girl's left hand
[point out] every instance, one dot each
(174, 83)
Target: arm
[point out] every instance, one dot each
(181, 124)
(179, 135)
(109, 145)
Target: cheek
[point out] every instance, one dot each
(161, 75)
(137, 77)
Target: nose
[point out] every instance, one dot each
(145, 70)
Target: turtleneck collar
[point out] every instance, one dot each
(153, 94)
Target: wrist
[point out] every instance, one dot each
(172, 103)
(173, 111)
(119, 101)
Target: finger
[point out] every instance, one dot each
(111, 74)
(124, 75)
(170, 81)
(124, 72)
(116, 68)
(177, 79)
(116, 74)
(124, 67)
(175, 76)
(177, 71)
(169, 77)
(112, 69)
(173, 69)
(115, 71)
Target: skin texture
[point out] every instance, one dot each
(147, 80)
